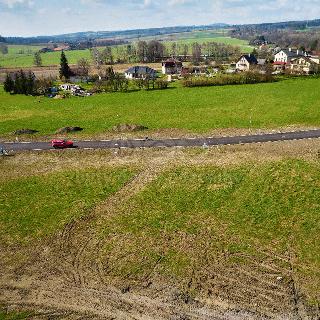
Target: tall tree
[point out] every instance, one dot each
(96, 58)
(4, 48)
(8, 85)
(173, 50)
(83, 67)
(106, 56)
(196, 52)
(37, 60)
(64, 71)
(155, 51)
(142, 48)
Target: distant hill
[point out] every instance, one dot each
(123, 35)
(295, 25)
(127, 35)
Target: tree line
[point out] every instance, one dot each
(26, 83)
(307, 39)
(156, 51)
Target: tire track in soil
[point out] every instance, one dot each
(78, 247)
(84, 291)
(86, 273)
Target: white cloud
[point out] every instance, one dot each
(83, 15)
(12, 3)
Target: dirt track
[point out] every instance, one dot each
(65, 278)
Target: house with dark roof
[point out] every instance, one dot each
(140, 72)
(246, 62)
(171, 66)
(284, 56)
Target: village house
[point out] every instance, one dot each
(45, 50)
(304, 65)
(171, 66)
(246, 62)
(314, 57)
(140, 72)
(62, 47)
(284, 56)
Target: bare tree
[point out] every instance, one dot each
(83, 67)
(142, 48)
(155, 51)
(196, 52)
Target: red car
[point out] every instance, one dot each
(61, 144)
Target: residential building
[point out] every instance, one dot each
(304, 65)
(172, 66)
(284, 56)
(246, 62)
(140, 72)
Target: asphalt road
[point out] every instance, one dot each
(184, 142)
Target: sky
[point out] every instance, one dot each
(41, 17)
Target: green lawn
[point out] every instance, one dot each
(271, 105)
(191, 217)
(37, 206)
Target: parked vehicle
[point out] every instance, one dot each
(61, 143)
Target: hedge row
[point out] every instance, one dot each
(228, 79)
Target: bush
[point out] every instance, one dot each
(228, 79)
(43, 85)
(161, 84)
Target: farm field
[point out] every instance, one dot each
(225, 231)
(25, 59)
(292, 102)
(14, 59)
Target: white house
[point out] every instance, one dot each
(140, 72)
(246, 62)
(284, 56)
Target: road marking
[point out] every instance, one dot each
(87, 148)
(105, 140)
(37, 149)
(25, 142)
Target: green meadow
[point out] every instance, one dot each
(270, 105)
(189, 216)
(15, 59)
(35, 207)
(23, 55)
(190, 222)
